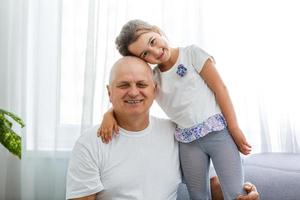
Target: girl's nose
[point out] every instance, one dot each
(155, 51)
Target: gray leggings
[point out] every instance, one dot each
(195, 160)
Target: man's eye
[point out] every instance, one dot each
(122, 86)
(142, 85)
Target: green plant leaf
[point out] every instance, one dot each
(5, 121)
(13, 116)
(10, 140)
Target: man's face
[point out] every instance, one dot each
(132, 89)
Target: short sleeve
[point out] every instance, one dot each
(199, 57)
(83, 176)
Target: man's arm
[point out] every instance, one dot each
(215, 187)
(91, 197)
(83, 176)
(217, 194)
(99, 195)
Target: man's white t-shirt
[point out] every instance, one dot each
(134, 165)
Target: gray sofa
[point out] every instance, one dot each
(276, 176)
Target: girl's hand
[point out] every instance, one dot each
(240, 140)
(108, 127)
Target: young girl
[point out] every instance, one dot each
(193, 95)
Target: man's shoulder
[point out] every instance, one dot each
(162, 122)
(89, 135)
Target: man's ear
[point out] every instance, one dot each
(108, 92)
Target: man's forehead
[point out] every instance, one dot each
(130, 67)
(138, 69)
(133, 76)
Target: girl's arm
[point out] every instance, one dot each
(213, 80)
(108, 126)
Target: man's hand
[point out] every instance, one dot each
(90, 197)
(251, 191)
(217, 194)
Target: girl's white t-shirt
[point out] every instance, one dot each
(187, 100)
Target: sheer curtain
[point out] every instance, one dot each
(56, 56)
(256, 47)
(11, 92)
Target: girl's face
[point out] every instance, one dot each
(151, 47)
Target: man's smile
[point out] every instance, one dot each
(133, 101)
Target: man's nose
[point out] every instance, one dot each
(134, 91)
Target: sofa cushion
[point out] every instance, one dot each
(276, 176)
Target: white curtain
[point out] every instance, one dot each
(56, 56)
(11, 90)
(256, 46)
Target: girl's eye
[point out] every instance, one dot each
(144, 54)
(152, 42)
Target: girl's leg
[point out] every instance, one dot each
(195, 168)
(227, 162)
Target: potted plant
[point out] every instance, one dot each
(8, 138)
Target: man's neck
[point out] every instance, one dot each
(133, 123)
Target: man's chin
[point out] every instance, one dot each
(136, 114)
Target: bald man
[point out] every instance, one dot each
(142, 161)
